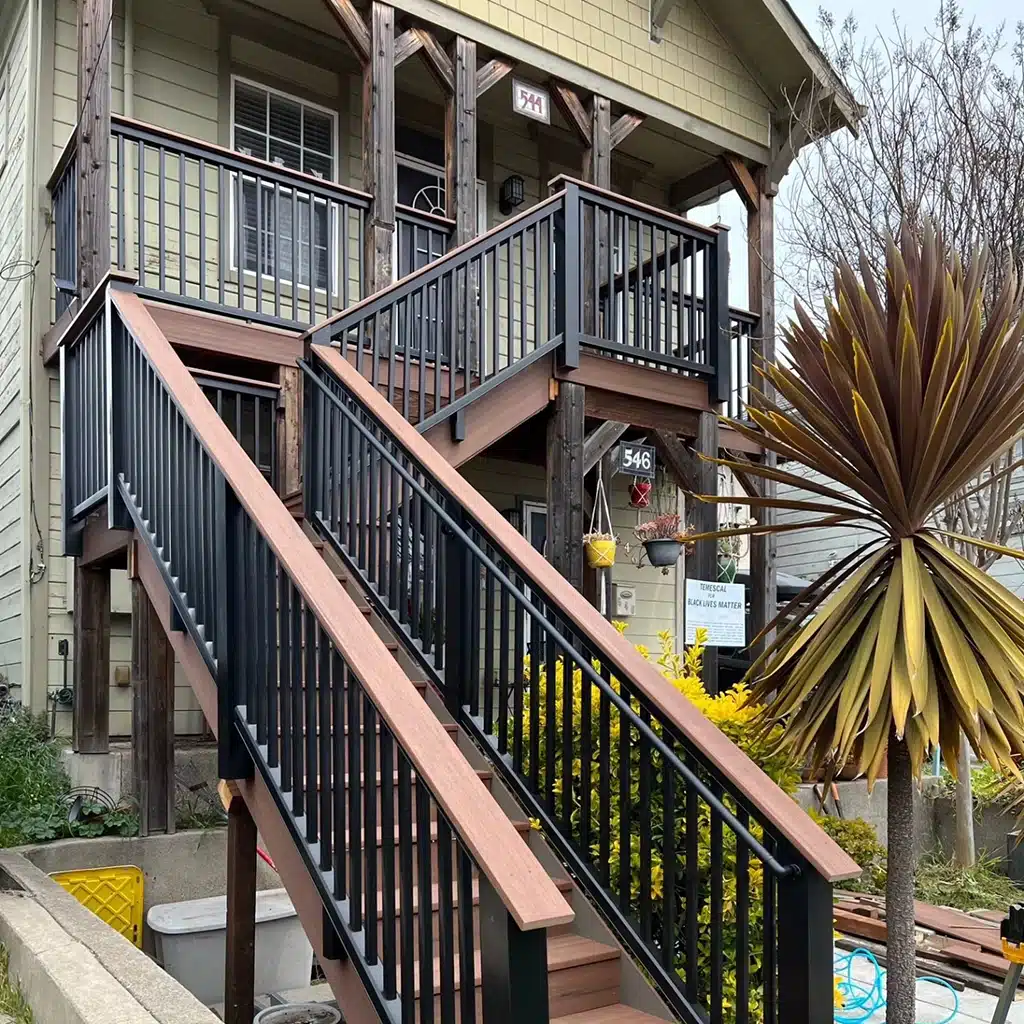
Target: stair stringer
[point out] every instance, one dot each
(491, 415)
(343, 978)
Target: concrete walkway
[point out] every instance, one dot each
(934, 1003)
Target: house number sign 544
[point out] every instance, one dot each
(531, 101)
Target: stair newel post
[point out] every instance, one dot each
(118, 517)
(312, 483)
(231, 597)
(803, 942)
(567, 276)
(459, 594)
(717, 322)
(513, 962)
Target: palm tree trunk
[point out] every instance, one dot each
(963, 848)
(899, 886)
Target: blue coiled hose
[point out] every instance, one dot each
(862, 999)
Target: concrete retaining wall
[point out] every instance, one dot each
(72, 968)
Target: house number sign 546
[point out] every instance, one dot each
(531, 101)
(635, 460)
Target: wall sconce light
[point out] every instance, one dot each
(512, 193)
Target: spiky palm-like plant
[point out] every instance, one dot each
(908, 392)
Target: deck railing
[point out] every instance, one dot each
(717, 883)
(742, 325)
(63, 186)
(310, 698)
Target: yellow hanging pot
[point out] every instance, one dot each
(600, 551)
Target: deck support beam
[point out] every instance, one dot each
(565, 482)
(95, 38)
(379, 148)
(92, 660)
(761, 285)
(152, 716)
(240, 944)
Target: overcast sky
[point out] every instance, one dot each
(873, 17)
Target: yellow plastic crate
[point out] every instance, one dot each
(113, 894)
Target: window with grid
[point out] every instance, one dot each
(283, 234)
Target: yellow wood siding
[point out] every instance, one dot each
(694, 68)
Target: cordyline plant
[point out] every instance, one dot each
(909, 391)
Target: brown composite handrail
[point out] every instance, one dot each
(821, 852)
(410, 279)
(529, 894)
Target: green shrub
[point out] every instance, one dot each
(858, 839)
(731, 712)
(35, 790)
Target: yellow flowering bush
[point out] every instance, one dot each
(734, 715)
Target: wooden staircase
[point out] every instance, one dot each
(586, 964)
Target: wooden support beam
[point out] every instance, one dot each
(379, 148)
(705, 520)
(679, 460)
(572, 110)
(761, 300)
(565, 483)
(438, 62)
(240, 940)
(289, 430)
(460, 141)
(406, 44)
(624, 126)
(701, 186)
(152, 716)
(95, 37)
(600, 441)
(354, 29)
(92, 661)
(660, 10)
(742, 180)
(491, 73)
(597, 160)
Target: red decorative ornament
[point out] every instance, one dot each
(640, 493)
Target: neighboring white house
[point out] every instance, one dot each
(809, 553)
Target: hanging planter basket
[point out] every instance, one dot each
(599, 542)
(663, 552)
(640, 493)
(600, 550)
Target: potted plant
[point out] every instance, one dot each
(662, 539)
(599, 542)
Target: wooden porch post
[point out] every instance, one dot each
(289, 430)
(240, 944)
(460, 141)
(91, 718)
(379, 148)
(152, 716)
(761, 286)
(705, 516)
(95, 30)
(565, 482)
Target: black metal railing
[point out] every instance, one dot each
(742, 324)
(63, 186)
(249, 408)
(291, 703)
(582, 268)
(441, 337)
(641, 278)
(219, 230)
(701, 886)
(421, 238)
(84, 412)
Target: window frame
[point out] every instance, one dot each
(332, 220)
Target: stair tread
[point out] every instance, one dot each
(564, 952)
(616, 1013)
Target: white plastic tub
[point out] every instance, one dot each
(189, 941)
